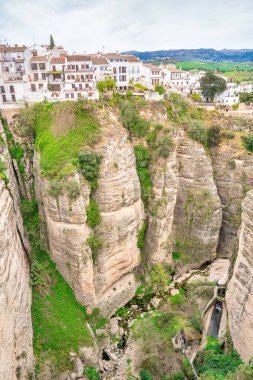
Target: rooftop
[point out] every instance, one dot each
(152, 67)
(39, 58)
(99, 60)
(73, 58)
(58, 60)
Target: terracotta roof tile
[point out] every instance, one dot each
(132, 58)
(79, 57)
(58, 60)
(39, 58)
(152, 67)
(99, 61)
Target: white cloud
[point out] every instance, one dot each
(133, 24)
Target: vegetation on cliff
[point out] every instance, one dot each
(62, 131)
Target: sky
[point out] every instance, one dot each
(121, 25)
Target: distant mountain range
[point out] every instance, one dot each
(232, 55)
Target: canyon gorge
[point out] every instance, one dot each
(128, 216)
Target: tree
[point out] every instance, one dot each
(211, 85)
(106, 85)
(52, 44)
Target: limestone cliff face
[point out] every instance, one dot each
(198, 214)
(233, 177)
(107, 282)
(239, 295)
(16, 355)
(158, 241)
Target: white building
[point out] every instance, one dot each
(228, 97)
(79, 78)
(151, 75)
(102, 68)
(120, 72)
(12, 74)
(56, 78)
(134, 68)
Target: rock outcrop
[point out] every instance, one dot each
(107, 282)
(198, 214)
(239, 295)
(158, 239)
(233, 178)
(16, 354)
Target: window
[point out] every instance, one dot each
(79, 95)
(80, 85)
(4, 98)
(54, 68)
(36, 76)
(114, 70)
(2, 90)
(12, 89)
(40, 86)
(122, 78)
(72, 96)
(73, 85)
(42, 66)
(68, 76)
(34, 66)
(56, 87)
(43, 75)
(13, 98)
(122, 69)
(66, 96)
(87, 67)
(33, 87)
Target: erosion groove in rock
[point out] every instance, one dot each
(240, 289)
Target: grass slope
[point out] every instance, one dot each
(62, 130)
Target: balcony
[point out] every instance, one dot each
(90, 69)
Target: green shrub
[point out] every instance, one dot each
(55, 188)
(145, 375)
(248, 142)
(159, 277)
(160, 89)
(73, 189)
(198, 133)
(213, 360)
(141, 237)
(16, 151)
(88, 164)
(26, 125)
(106, 85)
(163, 146)
(196, 97)
(231, 164)
(140, 86)
(142, 161)
(3, 168)
(178, 376)
(213, 136)
(187, 369)
(95, 245)
(91, 373)
(176, 255)
(131, 119)
(93, 214)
